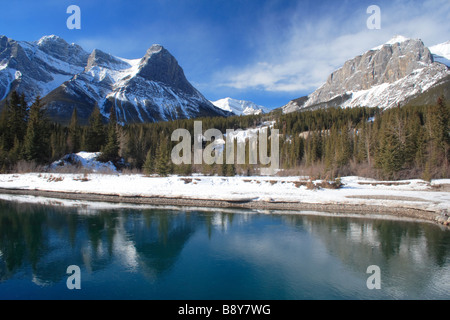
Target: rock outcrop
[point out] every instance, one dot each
(384, 77)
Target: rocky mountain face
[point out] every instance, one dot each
(36, 68)
(386, 76)
(153, 88)
(240, 107)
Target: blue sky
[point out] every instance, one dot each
(266, 51)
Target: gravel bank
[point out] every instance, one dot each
(338, 208)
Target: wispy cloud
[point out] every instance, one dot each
(301, 57)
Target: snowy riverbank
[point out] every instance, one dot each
(409, 198)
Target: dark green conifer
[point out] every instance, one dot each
(36, 141)
(95, 135)
(74, 139)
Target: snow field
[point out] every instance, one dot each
(416, 194)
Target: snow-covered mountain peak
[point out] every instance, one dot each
(56, 47)
(50, 38)
(398, 39)
(52, 42)
(445, 46)
(239, 107)
(441, 53)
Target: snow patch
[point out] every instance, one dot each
(416, 194)
(394, 40)
(441, 53)
(388, 95)
(87, 160)
(442, 49)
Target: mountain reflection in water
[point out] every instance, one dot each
(194, 254)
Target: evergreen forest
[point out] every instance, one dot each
(400, 143)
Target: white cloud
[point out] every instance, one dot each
(301, 57)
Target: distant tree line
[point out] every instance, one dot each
(408, 142)
(402, 142)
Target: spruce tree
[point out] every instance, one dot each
(135, 149)
(390, 154)
(95, 135)
(162, 160)
(330, 149)
(16, 152)
(18, 116)
(5, 133)
(438, 127)
(36, 144)
(343, 151)
(13, 122)
(110, 152)
(148, 166)
(74, 139)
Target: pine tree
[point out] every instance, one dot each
(111, 150)
(16, 151)
(438, 127)
(5, 133)
(330, 149)
(135, 150)
(95, 135)
(390, 154)
(343, 150)
(58, 141)
(148, 166)
(13, 122)
(36, 144)
(74, 139)
(421, 146)
(162, 160)
(413, 137)
(17, 116)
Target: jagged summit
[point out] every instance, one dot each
(50, 38)
(102, 59)
(397, 39)
(42, 65)
(160, 66)
(58, 48)
(154, 49)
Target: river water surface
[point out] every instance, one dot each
(190, 254)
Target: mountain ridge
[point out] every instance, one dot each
(386, 76)
(149, 89)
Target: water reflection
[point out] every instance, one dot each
(284, 256)
(46, 240)
(413, 256)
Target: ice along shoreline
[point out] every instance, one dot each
(410, 199)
